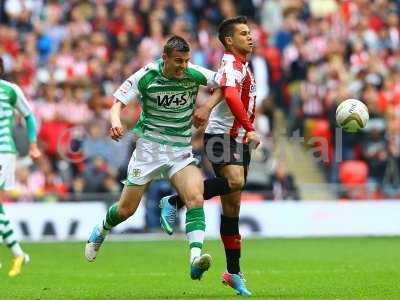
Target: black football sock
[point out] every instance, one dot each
(231, 238)
(212, 187)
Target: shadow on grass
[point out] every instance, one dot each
(216, 296)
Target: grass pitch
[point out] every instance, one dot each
(336, 268)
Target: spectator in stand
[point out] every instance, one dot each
(281, 185)
(98, 177)
(96, 143)
(375, 153)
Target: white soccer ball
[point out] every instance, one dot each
(352, 115)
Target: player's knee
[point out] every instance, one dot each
(236, 183)
(195, 200)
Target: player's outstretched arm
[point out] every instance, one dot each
(34, 151)
(116, 130)
(25, 110)
(201, 115)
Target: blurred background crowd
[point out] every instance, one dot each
(69, 56)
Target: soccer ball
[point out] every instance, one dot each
(352, 115)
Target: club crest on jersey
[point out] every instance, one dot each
(126, 86)
(135, 173)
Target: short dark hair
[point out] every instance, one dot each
(227, 27)
(176, 43)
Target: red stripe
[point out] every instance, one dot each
(245, 100)
(246, 91)
(253, 113)
(232, 242)
(237, 65)
(223, 80)
(236, 123)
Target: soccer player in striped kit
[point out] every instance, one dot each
(228, 139)
(11, 99)
(167, 91)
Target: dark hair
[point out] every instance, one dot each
(227, 26)
(176, 43)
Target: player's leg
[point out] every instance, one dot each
(212, 187)
(116, 214)
(142, 168)
(220, 150)
(7, 182)
(189, 184)
(229, 230)
(8, 235)
(170, 204)
(1, 226)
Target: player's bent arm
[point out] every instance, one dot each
(215, 98)
(116, 130)
(25, 110)
(236, 106)
(202, 114)
(31, 128)
(127, 92)
(34, 151)
(115, 113)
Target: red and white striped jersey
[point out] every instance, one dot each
(233, 72)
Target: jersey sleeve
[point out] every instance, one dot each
(22, 104)
(229, 74)
(129, 89)
(203, 76)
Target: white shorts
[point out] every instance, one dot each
(152, 160)
(7, 171)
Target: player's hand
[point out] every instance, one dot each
(34, 152)
(116, 133)
(201, 115)
(252, 139)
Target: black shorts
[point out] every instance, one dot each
(222, 150)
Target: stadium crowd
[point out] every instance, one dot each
(339, 50)
(69, 56)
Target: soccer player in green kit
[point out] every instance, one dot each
(167, 91)
(11, 99)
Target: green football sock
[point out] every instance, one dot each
(112, 218)
(195, 229)
(8, 234)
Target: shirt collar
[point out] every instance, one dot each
(243, 61)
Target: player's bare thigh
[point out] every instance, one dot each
(189, 184)
(235, 176)
(130, 199)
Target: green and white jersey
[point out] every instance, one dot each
(11, 98)
(167, 104)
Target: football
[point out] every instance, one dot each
(352, 115)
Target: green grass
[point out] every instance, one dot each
(337, 268)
